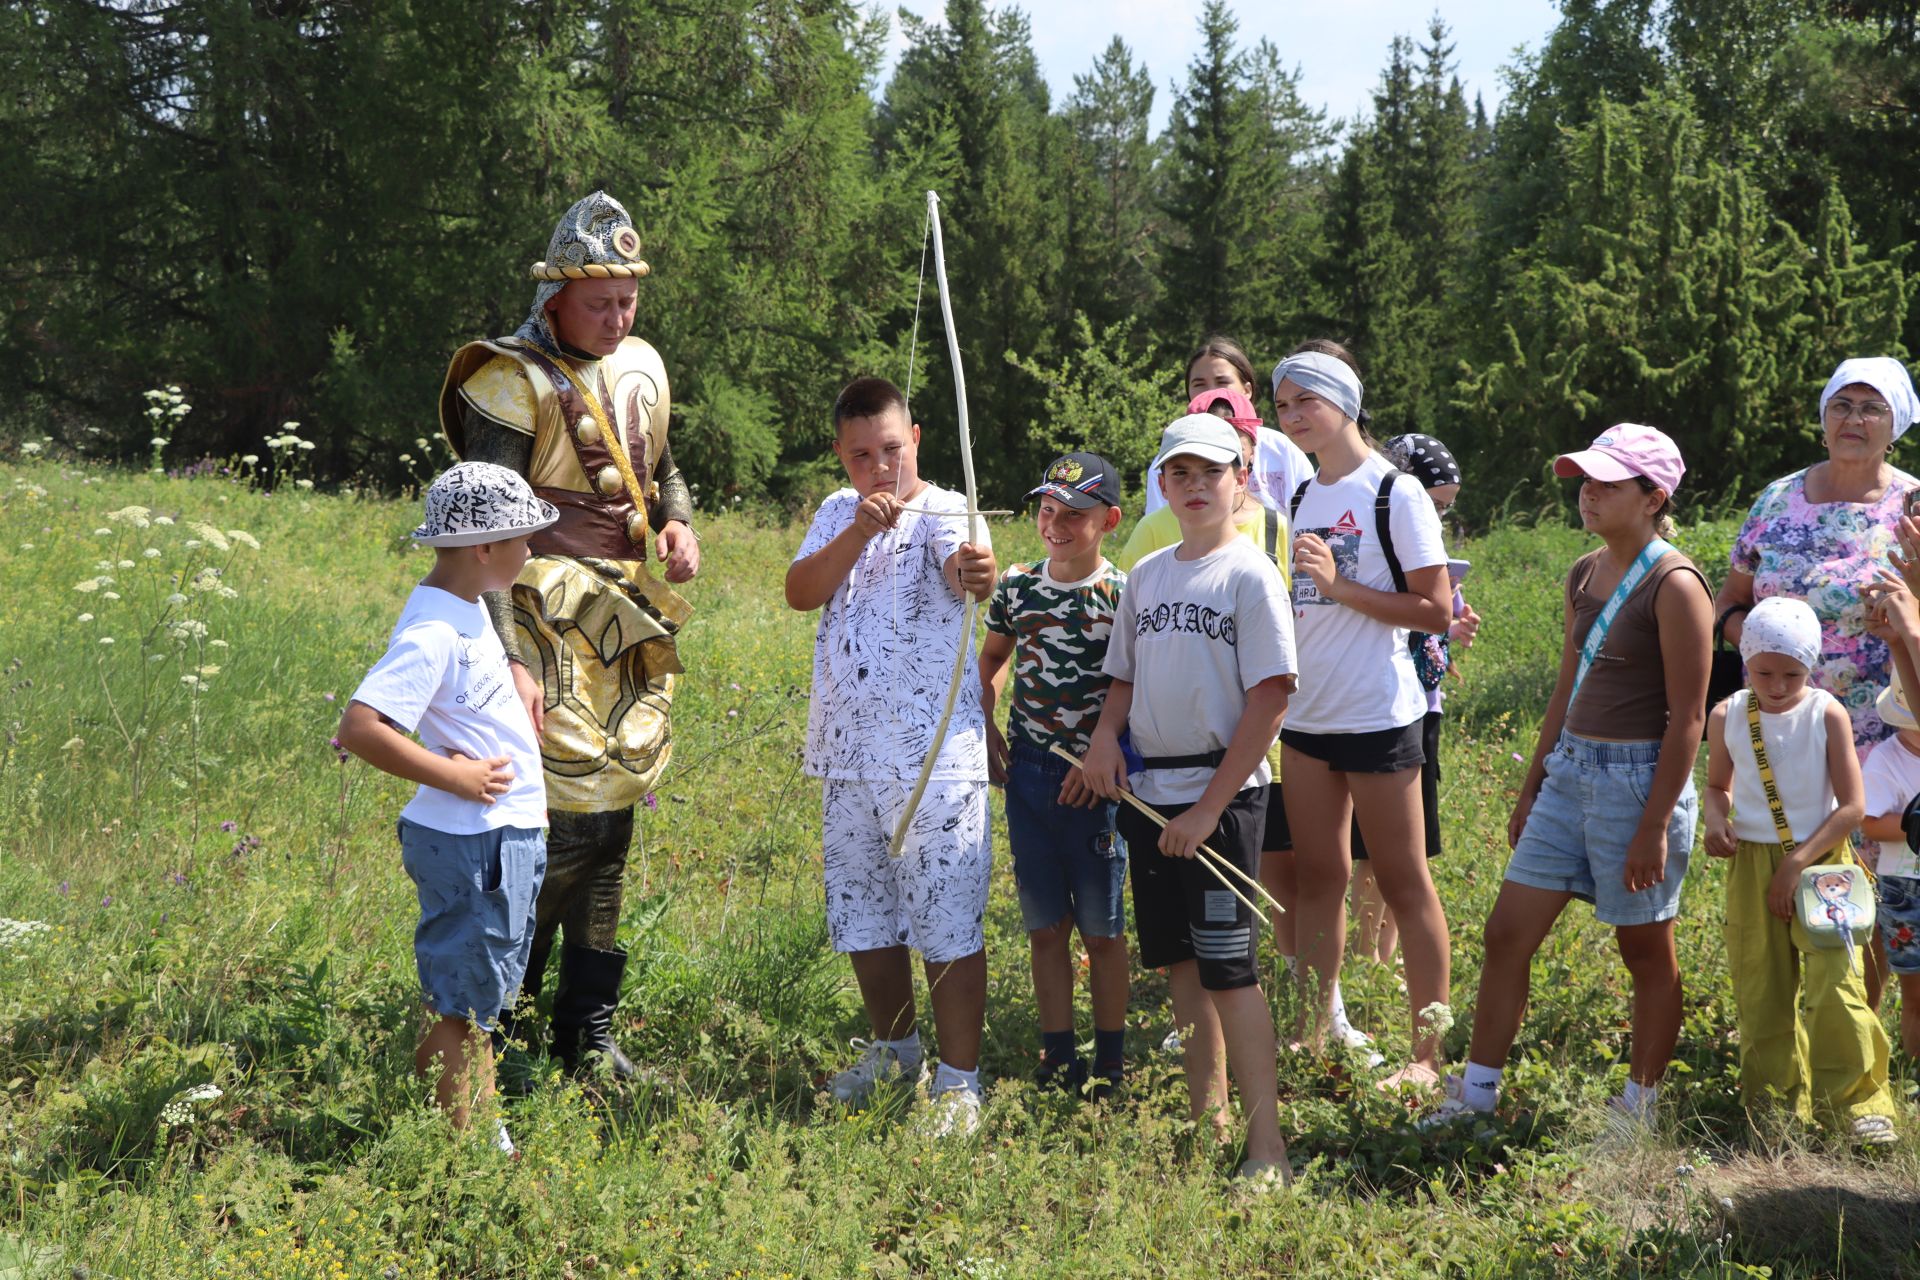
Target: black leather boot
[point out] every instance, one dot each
(583, 1009)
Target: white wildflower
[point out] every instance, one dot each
(151, 553)
(173, 389)
(406, 457)
(420, 443)
(103, 533)
(73, 744)
(289, 426)
(191, 544)
(138, 517)
(109, 595)
(176, 599)
(26, 546)
(106, 639)
(211, 669)
(212, 536)
(303, 484)
(30, 447)
(163, 519)
(191, 681)
(158, 442)
(228, 593)
(15, 933)
(1436, 1018)
(217, 644)
(85, 617)
(244, 538)
(124, 564)
(251, 459)
(306, 445)
(91, 584)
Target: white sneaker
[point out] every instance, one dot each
(1453, 1108)
(502, 1142)
(1874, 1131)
(1172, 1045)
(954, 1114)
(1626, 1121)
(1354, 1038)
(877, 1065)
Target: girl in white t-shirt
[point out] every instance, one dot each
(1277, 467)
(1352, 740)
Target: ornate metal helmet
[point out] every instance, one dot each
(594, 240)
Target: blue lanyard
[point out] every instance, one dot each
(1597, 634)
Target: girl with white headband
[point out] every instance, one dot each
(1606, 812)
(1831, 1060)
(1369, 567)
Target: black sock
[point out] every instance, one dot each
(1058, 1046)
(1109, 1047)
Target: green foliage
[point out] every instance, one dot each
(1104, 399)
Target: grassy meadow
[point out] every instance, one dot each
(208, 1011)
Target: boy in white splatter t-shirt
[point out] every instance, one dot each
(886, 563)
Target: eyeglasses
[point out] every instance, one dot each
(1840, 410)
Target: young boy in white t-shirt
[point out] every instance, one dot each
(1892, 778)
(473, 837)
(1202, 665)
(887, 563)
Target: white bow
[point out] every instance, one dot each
(973, 525)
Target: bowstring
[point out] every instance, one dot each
(913, 347)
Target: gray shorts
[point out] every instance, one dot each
(476, 915)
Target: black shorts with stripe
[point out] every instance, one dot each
(1181, 911)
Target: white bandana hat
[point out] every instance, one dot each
(1782, 624)
(594, 240)
(476, 502)
(1893, 708)
(1885, 375)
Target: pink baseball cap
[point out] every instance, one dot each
(1241, 412)
(1626, 450)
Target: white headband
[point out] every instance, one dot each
(1781, 624)
(1325, 376)
(1885, 375)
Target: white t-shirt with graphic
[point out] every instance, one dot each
(445, 677)
(1356, 675)
(1193, 636)
(1892, 775)
(1278, 468)
(883, 656)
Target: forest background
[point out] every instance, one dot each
(1682, 213)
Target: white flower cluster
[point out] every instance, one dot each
(179, 1109)
(15, 934)
(289, 439)
(166, 404)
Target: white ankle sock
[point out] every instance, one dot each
(1480, 1086)
(946, 1078)
(906, 1049)
(1640, 1098)
(1339, 1007)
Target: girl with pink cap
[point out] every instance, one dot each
(1607, 811)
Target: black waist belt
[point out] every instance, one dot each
(1205, 760)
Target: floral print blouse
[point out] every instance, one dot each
(1823, 553)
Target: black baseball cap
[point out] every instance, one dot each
(1080, 480)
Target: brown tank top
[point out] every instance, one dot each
(1624, 696)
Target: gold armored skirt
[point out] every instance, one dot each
(598, 636)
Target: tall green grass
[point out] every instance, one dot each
(243, 923)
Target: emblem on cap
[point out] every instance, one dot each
(1066, 471)
(626, 243)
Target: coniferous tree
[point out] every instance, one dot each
(1111, 225)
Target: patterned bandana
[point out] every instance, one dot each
(1423, 458)
(1885, 375)
(594, 240)
(1783, 625)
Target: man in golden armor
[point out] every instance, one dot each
(579, 408)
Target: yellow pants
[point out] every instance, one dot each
(1833, 1058)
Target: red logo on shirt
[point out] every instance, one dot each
(1346, 524)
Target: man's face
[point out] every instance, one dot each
(881, 453)
(594, 316)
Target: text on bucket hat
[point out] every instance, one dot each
(1201, 435)
(476, 502)
(1322, 375)
(1240, 410)
(1784, 625)
(1885, 375)
(1626, 450)
(1081, 480)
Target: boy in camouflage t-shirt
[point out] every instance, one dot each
(1056, 615)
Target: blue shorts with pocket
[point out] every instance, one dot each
(1899, 917)
(477, 895)
(1577, 834)
(1065, 860)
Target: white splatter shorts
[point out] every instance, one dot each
(934, 895)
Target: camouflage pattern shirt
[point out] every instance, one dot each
(1060, 632)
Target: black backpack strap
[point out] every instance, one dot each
(1299, 496)
(1383, 528)
(1271, 541)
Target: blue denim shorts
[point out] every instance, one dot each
(1064, 859)
(1577, 834)
(1899, 917)
(476, 914)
